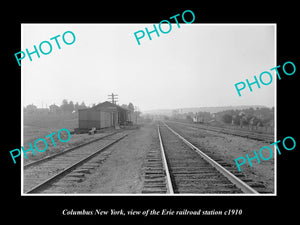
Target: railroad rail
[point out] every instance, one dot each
(34, 163)
(181, 167)
(236, 132)
(71, 165)
(157, 175)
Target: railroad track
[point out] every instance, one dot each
(53, 173)
(236, 132)
(180, 167)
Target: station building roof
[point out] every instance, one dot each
(106, 106)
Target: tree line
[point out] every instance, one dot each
(254, 117)
(258, 117)
(66, 107)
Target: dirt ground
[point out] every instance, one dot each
(228, 148)
(122, 171)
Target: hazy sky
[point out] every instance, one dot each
(192, 66)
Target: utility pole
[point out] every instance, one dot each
(114, 113)
(113, 98)
(137, 110)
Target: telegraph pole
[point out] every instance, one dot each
(113, 98)
(114, 117)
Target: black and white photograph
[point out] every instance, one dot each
(162, 114)
(160, 117)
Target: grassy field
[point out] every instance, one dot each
(39, 125)
(69, 121)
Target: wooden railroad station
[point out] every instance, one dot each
(103, 115)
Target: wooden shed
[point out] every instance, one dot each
(103, 115)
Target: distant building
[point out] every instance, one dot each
(103, 115)
(198, 119)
